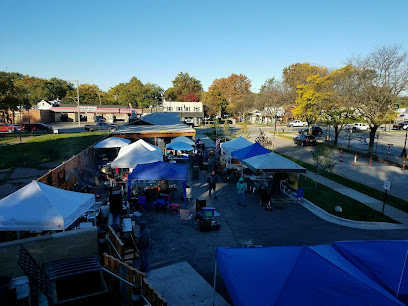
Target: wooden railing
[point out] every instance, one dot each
(116, 243)
(134, 280)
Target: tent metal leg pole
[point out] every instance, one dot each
(215, 278)
(402, 273)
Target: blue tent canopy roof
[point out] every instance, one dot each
(159, 171)
(179, 146)
(297, 275)
(250, 151)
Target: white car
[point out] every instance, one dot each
(297, 123)
(357, 127)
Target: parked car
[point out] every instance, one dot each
(101, 126)
(296, 123)
(304, 140)
(35, 127)
(316, 131)
(400, 126)
(5, 127)
(357, 127)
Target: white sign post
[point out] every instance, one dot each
(387, 186)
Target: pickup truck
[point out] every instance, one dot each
(357, 127)
(101, 126)
(296, 123)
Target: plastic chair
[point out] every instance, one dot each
(142, 202)
(299, 194)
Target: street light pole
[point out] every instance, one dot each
(404, 150)
(79, 112)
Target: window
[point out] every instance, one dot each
(179, 108)
(169, 108)
(187, 109)
(196, 108)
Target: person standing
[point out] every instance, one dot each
(143, 245)
(241, 187)
(212, 180)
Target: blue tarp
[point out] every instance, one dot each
(297, 275)
(383, 261)
(159, 171)
(250, 151)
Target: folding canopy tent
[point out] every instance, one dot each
(160, 171)
(250, 151)
(233, 145)
(273, 162)
(182, 146)
(39, 207)
(112, 142)
(139, 152)
(297, 275)
(183, 139)
(383, 261)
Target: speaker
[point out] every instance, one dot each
(200, 203)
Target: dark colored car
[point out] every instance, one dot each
(5, 127)
(316, 131)
(400, 126)
(35, 127)
(304, 140)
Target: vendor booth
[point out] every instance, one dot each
(313, 275)
(39, 207)
(159, 171)
(272, 162)
(139, 152)
(230, 146)
(250, 151)
(178, 150)
(112, 142)
(183, 139)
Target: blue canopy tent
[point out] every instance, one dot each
(182, 146)
(250, 151)
(297, 275)
(383, 261)
(159, 171)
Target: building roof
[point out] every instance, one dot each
(162, 118)
(146, 129)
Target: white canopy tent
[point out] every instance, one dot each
(183, 139)
(139, 152)
(112, 142)
(233, 145)
(273, 162)
(39, 207)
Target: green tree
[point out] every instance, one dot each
(324, 159)
(183, 85)
(381, 77)
(11, 95)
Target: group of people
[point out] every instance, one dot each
(241, 186)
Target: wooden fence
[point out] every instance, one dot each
(134, 280)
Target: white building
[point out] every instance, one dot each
(190, 112)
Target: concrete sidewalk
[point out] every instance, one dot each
(392, 212)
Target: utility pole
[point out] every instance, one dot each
(79, 112)
(99, 95)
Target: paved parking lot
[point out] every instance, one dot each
(287, 224)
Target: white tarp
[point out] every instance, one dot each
(233, 145)
(112, 142)
(272, 162)
(39, 207)
(139, 152)
(183, 139)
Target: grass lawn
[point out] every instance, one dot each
(328, 199)
(374, 193)
(46, 148)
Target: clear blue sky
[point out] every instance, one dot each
(108, 42)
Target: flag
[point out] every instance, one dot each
(217, 145)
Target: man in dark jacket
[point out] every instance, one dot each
(212, 182)
(143, 244)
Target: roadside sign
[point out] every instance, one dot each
(387, 185)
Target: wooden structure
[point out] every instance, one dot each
(136, 282)
(123, 252)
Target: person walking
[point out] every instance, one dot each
(241, 187)
(212, 180)
(143, 245)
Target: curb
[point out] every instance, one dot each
(346, 222)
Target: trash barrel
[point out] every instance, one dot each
(21, 288)
(4, 286)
